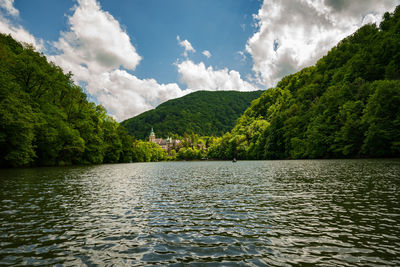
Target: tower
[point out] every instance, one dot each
(152, 136)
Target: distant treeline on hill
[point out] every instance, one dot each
(347, 105)
(204, 113)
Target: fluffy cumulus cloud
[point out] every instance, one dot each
(125, 95)
(99, 52)
(16, 31)
(95, 41)
(293, 34)
(186, 45)
(200, 77)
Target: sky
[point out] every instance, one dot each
(132, 55)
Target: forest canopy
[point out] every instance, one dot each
(346, 106)
(203, 112)
(46, 119)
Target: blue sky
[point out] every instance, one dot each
(131, 55)
(223, 29)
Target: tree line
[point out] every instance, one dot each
(346, 106)
(46, 120)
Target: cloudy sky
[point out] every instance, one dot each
(132, 55)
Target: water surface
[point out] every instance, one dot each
(255, 213)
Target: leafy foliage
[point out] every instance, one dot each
(46, 120)
(148, 152)
(203, 112)
(347, 105)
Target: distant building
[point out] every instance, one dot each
(166, 144)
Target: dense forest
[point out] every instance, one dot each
(204, 113)
(346, 106)
(45, 119)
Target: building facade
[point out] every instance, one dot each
(166, 144)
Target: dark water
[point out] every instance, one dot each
(257, 213)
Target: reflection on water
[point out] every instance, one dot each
(276, 213)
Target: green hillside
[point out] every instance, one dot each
(45, 119)
(204, 113)
(347, 105)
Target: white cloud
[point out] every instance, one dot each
(198, 77)
(293, 34)
(96, 40)
(206, 53)
(124, 95)
(95, 49)
(19, 33)
(8, 5)
(185, 44)
(16, 31)
(369, 19)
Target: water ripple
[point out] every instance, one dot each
(256, 213)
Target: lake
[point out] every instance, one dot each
(249, 213)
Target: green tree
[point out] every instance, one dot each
(17, 123)
(341, 107)
(382, 117)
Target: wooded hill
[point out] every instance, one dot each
(45, 119)
(204, 113)
(347, 105)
